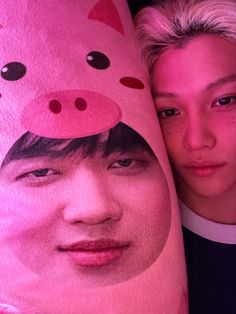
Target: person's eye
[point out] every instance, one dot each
(167, 113)
(225, 101)
(38, 177)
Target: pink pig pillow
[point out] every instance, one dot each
(88, 218)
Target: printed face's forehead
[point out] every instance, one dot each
(119, 139)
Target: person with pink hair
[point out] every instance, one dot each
(190, 51)
(89, 219)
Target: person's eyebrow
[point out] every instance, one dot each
(221, 81)
(159, 94)
(217, 83)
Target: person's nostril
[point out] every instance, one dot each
(80, 104)
(55, 106)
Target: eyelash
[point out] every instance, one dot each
(44, 176)
(230, 97)
(172, 111)
(128, 166)
(38, 171)
(126, 163)
(32, 178)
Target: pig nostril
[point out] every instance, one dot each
(132, 82)
(55, 106)
(80, 104)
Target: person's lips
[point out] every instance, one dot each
(203, 168)
(96, 252)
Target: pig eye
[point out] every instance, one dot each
(98, 60)
(13, 71)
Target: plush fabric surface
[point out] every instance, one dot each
(70, 69)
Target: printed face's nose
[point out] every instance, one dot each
(90, 201)
(198, 134)
(70, 114)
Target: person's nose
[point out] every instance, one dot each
(198, 134)
(90, 201)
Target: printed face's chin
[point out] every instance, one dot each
(96, 269)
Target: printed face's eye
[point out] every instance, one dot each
(38, 177)
(40, 172)
(13, 71)
(167, 113)
(131, 165)
(98, 60)
(225, 101)
(126, 162)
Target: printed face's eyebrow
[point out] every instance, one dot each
(101, 148)
(8, 161)
(4, 164)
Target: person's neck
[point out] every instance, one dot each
(221, 209)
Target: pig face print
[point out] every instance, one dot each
(64, 77)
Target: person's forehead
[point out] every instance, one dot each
(202, 61)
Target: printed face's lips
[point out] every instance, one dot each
(95, 253)
(203, 168)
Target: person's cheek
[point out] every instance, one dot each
(173, 133)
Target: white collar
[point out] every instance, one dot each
(208, 229)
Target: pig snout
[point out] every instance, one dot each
(70, 114)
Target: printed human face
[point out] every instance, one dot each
(195, 94)
(93, 222)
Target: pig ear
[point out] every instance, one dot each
(105, 11)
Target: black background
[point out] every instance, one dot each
(136, 5)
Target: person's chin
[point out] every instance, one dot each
(208, 188)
